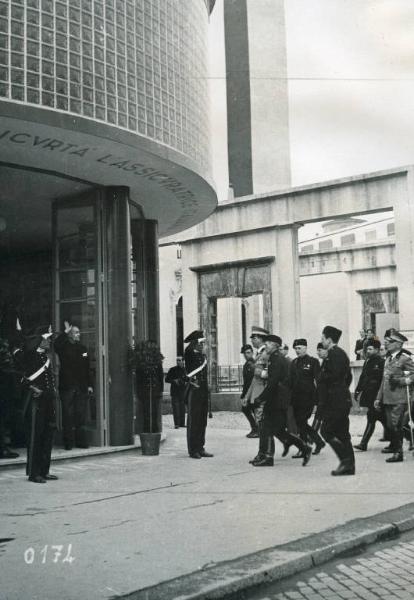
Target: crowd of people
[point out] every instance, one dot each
(280, 395)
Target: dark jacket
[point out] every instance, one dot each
(193, 360)
(177, 378)
(370, 380)
(272, 395)
(33, 362)
(335, 378)
(74, 364)
(303, 374)
(248, 373)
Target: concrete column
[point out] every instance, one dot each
(286, 285)
(190, 290)
(404, 253)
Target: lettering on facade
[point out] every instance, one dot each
(163, 180)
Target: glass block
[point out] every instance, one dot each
(158, 121)
(132, 123)
(166, 137)
(32, 48)
(141, 113)
(122, 120)
(111, 87)
(111, 102)
(74, 14)
(32, 32)
(4, 9)
(16, 44)
(88, 94)
(100, 68)
(62, 102)
(122, 106)
(99, 53)
(141, 99)
(47, 21)
(74, 45)
(33, 96)
(61, 71)
(120, 33)
(87, 79)
(87, 34)
(122, 80)
(88, 110)
(150, 117)
(17, 12)
(17, 92)
(111, 116)
(86, 18)
(142, 127)
(87, 64)
(120, 48)
(48, 99)
(17, 76)
(98, 8)
(75, 106)
(132, 109)
(121, 90)
(100, 113)
(100, 98)
(33, 64)
(86, 49)
(48, 67)
(61, 56)
(48, 52)
(47, 36)
(74, 29)
(4, 41)
(4, 73)
(75, 75)
(75, 90)
(74, 60)
(99, 83)
(61, 26)
(48, 84)
(61, 9)
(120, 62)
(61, 87)
(32, 3)
(17, 60)
(110, 57)
(150, 131)
(47, 6)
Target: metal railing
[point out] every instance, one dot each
(229, 378)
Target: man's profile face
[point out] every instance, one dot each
(271, 346)
(362, 333)
(74, 333)
(179, 361)
(371, 351)
(199, 347)
(325, 341)
(301, 350)
(322, 353)
(370, 333)
(248, 354)
(256, 341)
(394, 346)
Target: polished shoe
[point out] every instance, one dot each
(361, 447)
(8, 454)
(299, 454)
(306, 455)
(205, 454)
(195, 455)
(252, 434)
(264, 462)
(387, 450)
(318, 447)
(50, 477)
(37, 479)
(286, 448)
(257, 458)
(396, 457)
(344, 469)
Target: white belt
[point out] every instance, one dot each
(198, 369)
(39, 372)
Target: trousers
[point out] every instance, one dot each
(197, 412)
(40, 427)
(74, 413)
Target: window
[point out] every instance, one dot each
(325, 245)
(391, 229)
(347, 240)
(370, 235)
(307, 248)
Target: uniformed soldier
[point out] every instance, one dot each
(40, 406)
(335, 377)
(177, 378)
(196, 394)
(320, 389)
(257, 386)
(274, 407)
(303, 374)
(248, 374)
(398, 376)
(367, 389)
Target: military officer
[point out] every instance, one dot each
(196, 394)
(257, 386)
(335, 377)
(367, 389)
(248, 374)
(303, 374)
(40, 405)
(392, 394)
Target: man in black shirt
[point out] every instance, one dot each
(176, 377)
(248, 373)
(74, 386)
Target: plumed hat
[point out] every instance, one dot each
(195, 336)
(332, 332)
(36, 335)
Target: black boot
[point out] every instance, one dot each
(316, 439)
(363, 444)
(396, 457)
(346, 467)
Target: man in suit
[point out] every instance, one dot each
(367, 389)
(40, 405)
(196, 394)
(273, 402)
(335, 377)
(395, 392)
(177, 378)
(303, 373)
(248, 374)
(257, 385)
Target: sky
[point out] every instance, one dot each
(351, 88)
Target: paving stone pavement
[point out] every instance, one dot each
(384, 572)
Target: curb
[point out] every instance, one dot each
(228, 579)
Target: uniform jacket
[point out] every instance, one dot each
(393, 388)
(33, 361)
(74, 364)
(258, 383)
(334, 379)
(370, 380)
(248, 374)
(176, 377)
(303, 373)
(272, 395)
(193, 360)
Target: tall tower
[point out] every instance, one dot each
(257, 95)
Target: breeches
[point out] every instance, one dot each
(395, 420)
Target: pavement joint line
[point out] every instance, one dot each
(229, 578)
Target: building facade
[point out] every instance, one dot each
(104, 145)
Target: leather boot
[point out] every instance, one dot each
(363, 444)
(338, 447)
(346, 467)
(267, 461)
(396, 457)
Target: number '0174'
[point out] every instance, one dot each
(49, 554)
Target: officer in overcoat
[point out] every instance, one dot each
(303, 373)
(274, 406)
(258, 383)
(196, 394)
(335, 378)
(367, 389)
(248, 374)
(394, 393)
(40, 405)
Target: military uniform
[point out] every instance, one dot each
(177, 378)
(40, 413)
(248, 407)
(303, 374)
(256, 388)
(367, 389)
(196, 398)
(335, 378)
(393, 396)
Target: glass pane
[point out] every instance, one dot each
(77, 284)
(76, 237)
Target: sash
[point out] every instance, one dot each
(198, 369)
(39, 371)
